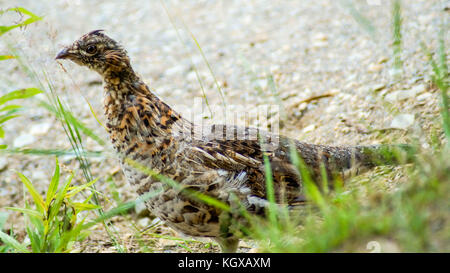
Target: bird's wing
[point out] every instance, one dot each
(241, 150)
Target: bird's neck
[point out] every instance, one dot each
(129, 103)
(119, 76)
(119, 82)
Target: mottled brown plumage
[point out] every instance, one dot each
(147, 131)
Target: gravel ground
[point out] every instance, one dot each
(334, 79)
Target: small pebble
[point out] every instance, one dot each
(378, 87)
(143, 222)
(23, 140)
(402, 121)
(40, 129)
(309, 128)
(424, 96)
(3, 163)
(375, 67)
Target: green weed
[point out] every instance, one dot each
(54, 220)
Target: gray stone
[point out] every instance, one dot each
(23, 140)
(402, 121)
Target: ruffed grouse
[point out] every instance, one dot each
(147, 131)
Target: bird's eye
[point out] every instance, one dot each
(91, 49)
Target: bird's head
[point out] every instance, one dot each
(98, 52)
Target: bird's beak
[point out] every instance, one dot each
(63, 54)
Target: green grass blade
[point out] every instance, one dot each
(397, 34)
(95, 115)
(75, 190)
(270, 193)
(199, 79)
(440, 79)
(40, 204)
(29, 212)
(53, 187)
(73, 121)
(362, 20)
(121, 208)
(35, 240)
(54, 209)
(6, 57)
(222, 96)
(113, 212)
(32, 18)
(13, 242)
(82, 206)
(5, 118)
(311, 189)
(10, 107)
(54, 152)
(20, 94)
